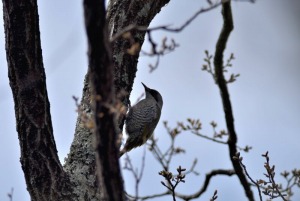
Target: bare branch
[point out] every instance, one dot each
(269, 186)
(172, 180)
(273, 190)
(165, 48)
(194, 126)
(240, 159)
(155, 196)
(10, 194)
(136, 174)
(192, 18)
(215, 196)
(132, 27)
(208, 138)
(103, 100)
(221, 82)
(208, 177)
(206, 182)
(292, 180)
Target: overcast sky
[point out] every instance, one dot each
(265, 98)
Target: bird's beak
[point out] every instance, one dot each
(146, 88)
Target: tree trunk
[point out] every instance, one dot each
(43, 172)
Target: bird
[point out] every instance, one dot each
(142, 119)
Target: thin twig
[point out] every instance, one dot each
(270, 175)
(136, 174)
(10, 194)
(208, 138)
(248, 175)
(215, 196)
(164, 27)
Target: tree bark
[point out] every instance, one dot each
(44, 175)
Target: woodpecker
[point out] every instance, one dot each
(142, 119)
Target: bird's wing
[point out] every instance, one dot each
(139, 116)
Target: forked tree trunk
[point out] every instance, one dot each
(45, 177)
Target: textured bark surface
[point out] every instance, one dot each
(80, 163)
(43, 172)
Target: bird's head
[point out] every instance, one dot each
(155, 94)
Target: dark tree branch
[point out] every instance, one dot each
(154, 196)
(221, 81)
(165, 48)
(197, 194)
(44, 175)
(237, 157)
(101, 77)
(203, 189)
(215, 196)
(133, 27)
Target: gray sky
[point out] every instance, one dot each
(265, 97)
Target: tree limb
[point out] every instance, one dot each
(101, 77)
(208, 177)
(197, 194)
(132, 27)
(44, 175)
(221, 82)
